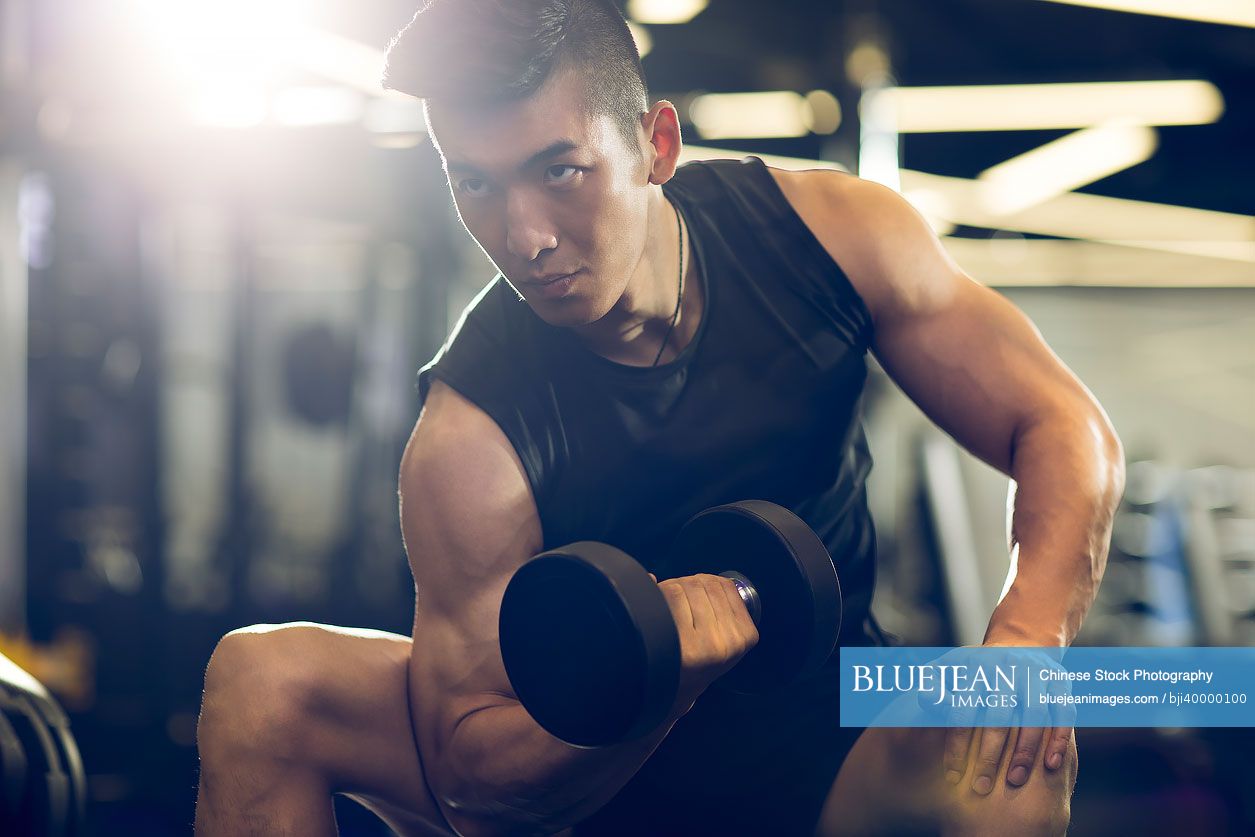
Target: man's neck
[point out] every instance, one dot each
(633, 331)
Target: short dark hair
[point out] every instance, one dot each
(487, 51)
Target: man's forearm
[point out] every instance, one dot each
(1069, 475)
(504, 774)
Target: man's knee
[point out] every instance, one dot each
(1042, 806)
(262, 693)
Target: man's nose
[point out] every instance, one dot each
(528, 231)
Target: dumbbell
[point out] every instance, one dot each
(43, 789)
(592, 650)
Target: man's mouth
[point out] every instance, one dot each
(548, 279)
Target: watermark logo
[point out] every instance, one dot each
(1003, 686)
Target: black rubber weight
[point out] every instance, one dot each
(591, 648)
(796, 581)
(48, 796)
(589, 644)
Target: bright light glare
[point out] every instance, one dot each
(1155, 226)
(1068, 163)
(323, 105)
(1015, 107)
(739, 115)
(934, 207)
(1232, 12)
(229, 57)
(664, 11)
(227, 106)
(823, 112)
(879, 139)
(393, 116)
(337, 58)
(1009, 261)
(227, 42)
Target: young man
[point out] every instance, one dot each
(658, 341)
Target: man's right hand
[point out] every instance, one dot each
(715, 630)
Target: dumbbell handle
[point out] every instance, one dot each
(748, 592)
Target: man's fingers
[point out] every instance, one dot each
(719, 608)
(1058, 747)
(746, 628)
(679, 604)
(992, 740)
(958, 739)
(722, 593)
(1026, 747)
(703, 610)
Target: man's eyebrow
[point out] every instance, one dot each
(561, 146)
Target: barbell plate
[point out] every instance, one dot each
(796, 580)
(589, 644)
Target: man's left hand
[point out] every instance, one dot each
(1027, 741)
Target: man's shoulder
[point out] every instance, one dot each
(828, 201)
(461, 481)
(450, 423)
(455, 435)
(868, 229)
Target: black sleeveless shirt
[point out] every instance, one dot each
(763, 403)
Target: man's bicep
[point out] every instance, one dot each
(469, 522)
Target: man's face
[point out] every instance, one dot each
(548, 188)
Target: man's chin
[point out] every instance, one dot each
(564, 313)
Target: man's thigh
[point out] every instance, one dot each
(351, 690)
(893, 783)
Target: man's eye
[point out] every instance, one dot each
(561, 174)
(472, 186)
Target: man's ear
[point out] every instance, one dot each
(661, 124)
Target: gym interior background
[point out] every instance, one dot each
(224, 253)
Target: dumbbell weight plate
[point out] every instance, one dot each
(71, 763)
(47, 807)
(13, 767)
(796, 581)
(589, 644)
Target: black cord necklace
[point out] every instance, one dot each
(679, 294)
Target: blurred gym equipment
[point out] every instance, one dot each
(43, 790)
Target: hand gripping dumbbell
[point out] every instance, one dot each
(591, 647)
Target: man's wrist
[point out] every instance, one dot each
(1023, 619)
(1014, 635)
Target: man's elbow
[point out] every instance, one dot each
(476, 815)
(1082, 427)
(472, 820)
(1109, 452)
(476, 806)
(469, 826)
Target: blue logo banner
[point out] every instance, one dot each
(1044, 687)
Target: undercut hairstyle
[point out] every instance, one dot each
(494, 51)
